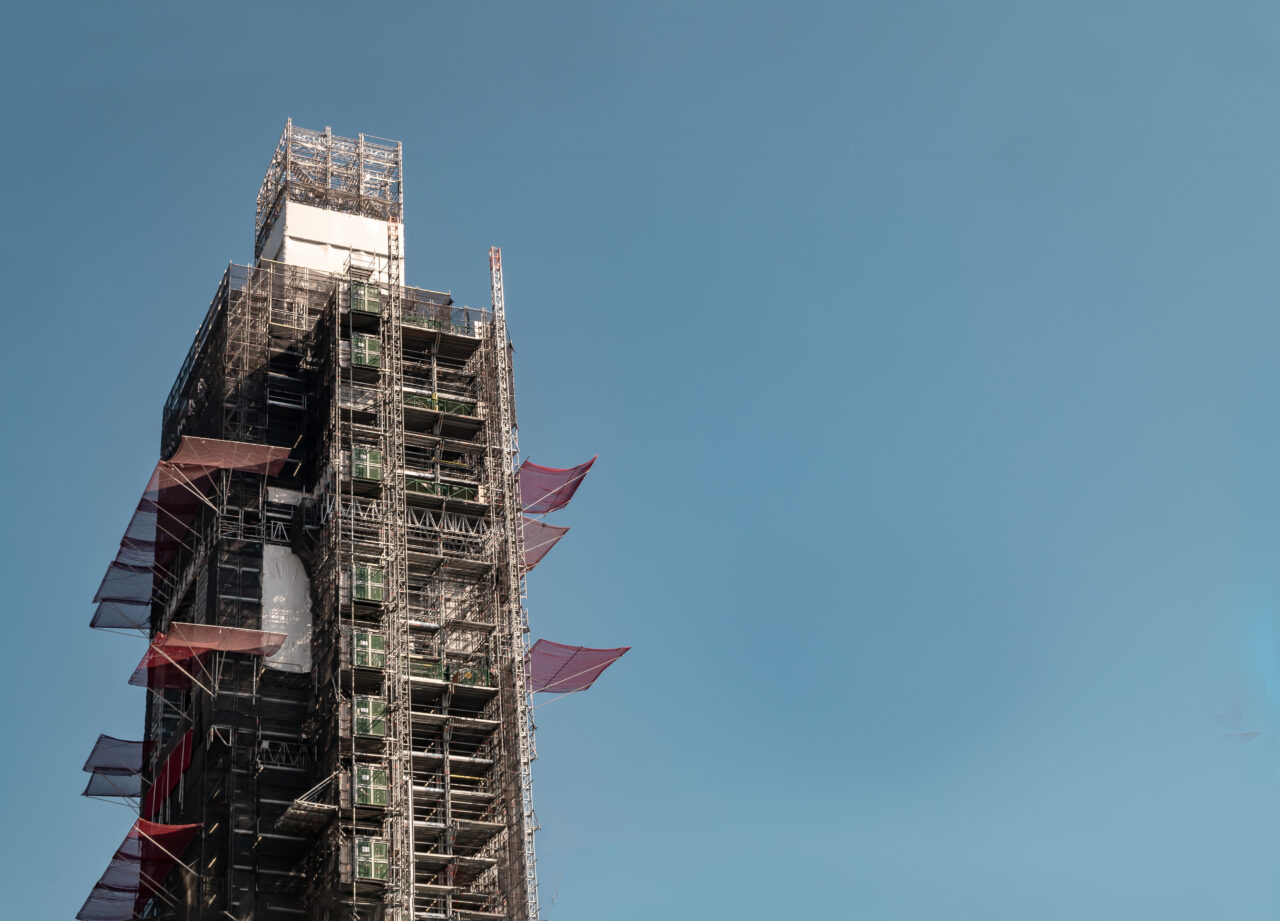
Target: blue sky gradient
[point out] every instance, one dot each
(930, 351)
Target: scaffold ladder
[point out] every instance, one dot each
(398, 686)
(514, 594)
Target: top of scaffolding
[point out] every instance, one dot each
(360, 175)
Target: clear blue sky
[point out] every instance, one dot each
(932, 354)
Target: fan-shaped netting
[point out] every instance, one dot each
(561, 669)
(539, 538)
(115, 767)
(137, 871)
(545, 489)
(173, 495)
(116, 756)
(176, 659)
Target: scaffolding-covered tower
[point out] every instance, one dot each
(356, 740)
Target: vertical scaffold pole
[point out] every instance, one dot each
(515, 623)
(400, 883)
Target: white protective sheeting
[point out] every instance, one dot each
(322, 239)
(286, 607)
(283, 496)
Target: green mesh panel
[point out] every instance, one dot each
(366, 351)
(371, 649)
(371, 716)
(365, 298)
(367, 463)
(369, 584)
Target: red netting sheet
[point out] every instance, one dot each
(167, 777)
(115, 766)
(174, 493)
(173, 659)
(137, 871)
(545, 489)
(539, 538)
(561, 669)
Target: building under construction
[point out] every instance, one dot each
(328, 569)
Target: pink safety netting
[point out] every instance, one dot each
(539, 538)
(175, 658)
(161, 669)
(115, 766)
(545, 489)
(561, 669)
(209, 454)
(168, 775)
(172, 498)
(137, 871)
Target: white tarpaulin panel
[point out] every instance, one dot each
(286, 607)
(318, 238)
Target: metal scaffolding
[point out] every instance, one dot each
(361, 175)
(391, 778)
(504, 445)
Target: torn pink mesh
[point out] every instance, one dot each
(539, 538)
(175, 658)
(560, 669)
(137, 871)
(545, 489)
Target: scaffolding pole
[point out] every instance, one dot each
(512, 589)
(401, 878)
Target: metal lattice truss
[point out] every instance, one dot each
(457, 535)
